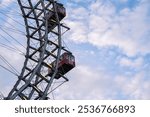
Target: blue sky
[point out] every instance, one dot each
(110, 39)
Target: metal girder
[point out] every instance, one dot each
(40, 51)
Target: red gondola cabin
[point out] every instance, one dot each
(51, 17)
(66, 63)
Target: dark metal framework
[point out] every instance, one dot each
(43, 47)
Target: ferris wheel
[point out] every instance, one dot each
(46, 59)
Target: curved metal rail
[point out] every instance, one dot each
(43, 47)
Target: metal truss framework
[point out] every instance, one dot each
(43, 47)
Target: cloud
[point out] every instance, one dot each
(16, 61)
(105, 26)
(135, 87)
(5, 3)
(87, 83)
(137, 63)
(13, 56)
(7, 79)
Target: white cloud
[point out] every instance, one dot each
(126, 62)
(13, 57)
(88, 83)
(135, 87)
(103, 27)
(7, 79)
(5, 3)
(80, 35)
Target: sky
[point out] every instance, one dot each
(110, 40)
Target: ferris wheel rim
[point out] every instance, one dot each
(45, 41)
